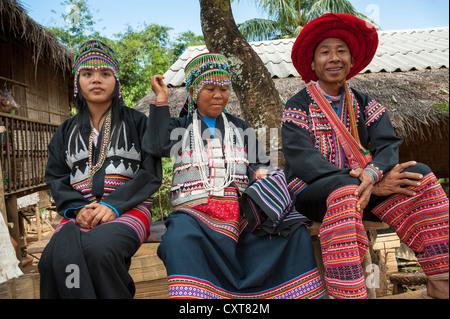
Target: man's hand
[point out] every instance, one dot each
(364, 190)
(393, 182)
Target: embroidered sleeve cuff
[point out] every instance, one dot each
(375, 171)
(296, 186)
(68, 213)
(159, 103)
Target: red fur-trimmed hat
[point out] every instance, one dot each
(360, 36)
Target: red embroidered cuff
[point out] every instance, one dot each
(159, 103)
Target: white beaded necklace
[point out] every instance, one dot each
(202, 159)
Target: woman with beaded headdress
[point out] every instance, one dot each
(102, 181)
(210, 249)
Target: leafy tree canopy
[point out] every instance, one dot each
(142, 51)
(287, 17)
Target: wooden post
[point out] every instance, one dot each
(2, 185)
(371, 273)
(38, 222)
(2, 196)
(13, 217)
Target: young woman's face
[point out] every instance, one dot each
(212, 99)
(97, 85)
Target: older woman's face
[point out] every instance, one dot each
(212, 99)
(332, 61)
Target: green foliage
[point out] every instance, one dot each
(161, 201)
(442, 107)
(78, 24)
(142, 53)
(183, 41)
(445, 185)
(288, 17)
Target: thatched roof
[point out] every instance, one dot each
(14, 22)
(398, 51)
(408, 96)
(407, 75)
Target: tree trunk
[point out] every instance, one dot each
(260, 102)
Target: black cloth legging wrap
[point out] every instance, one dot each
(93, 264)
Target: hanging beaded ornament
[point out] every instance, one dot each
(106, 130)
(94, 55)
(207, 68)
(202, 158)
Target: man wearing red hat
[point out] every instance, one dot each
(341, 156)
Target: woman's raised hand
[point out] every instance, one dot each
(159, 87)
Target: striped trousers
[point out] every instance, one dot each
(420, 221)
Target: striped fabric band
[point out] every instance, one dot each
(139, 219)
(306, 286)
(356, 157)
(296, 186)
(373, 111)
(153, 101)
(375, 171)
(344, 243)
(297, 117)
(422, 223)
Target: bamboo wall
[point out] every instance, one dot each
(23, 153)
(43, 91)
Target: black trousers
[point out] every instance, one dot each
(311, 202)
(87, 265)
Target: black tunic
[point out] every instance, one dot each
(311, 158)
(128, 177)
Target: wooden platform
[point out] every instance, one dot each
(386, 245)
(147, 271)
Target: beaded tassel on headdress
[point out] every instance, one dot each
(93, 55)
(208, 68)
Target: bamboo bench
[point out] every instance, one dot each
(149, 273)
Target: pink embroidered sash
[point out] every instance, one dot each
(357, 156)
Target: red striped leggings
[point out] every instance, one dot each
(420, 221)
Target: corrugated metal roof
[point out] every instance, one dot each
(399, 50)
